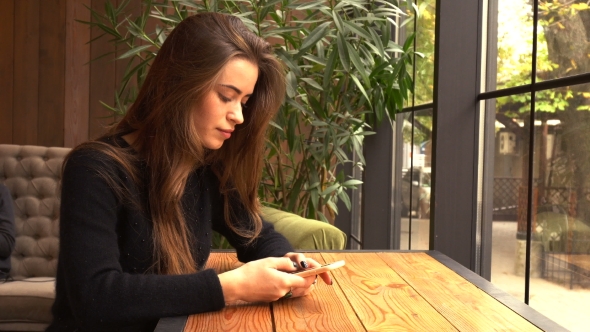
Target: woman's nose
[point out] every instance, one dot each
(236, 115)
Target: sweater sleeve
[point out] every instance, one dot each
(6, 223)
(269, 243)
(97, 288)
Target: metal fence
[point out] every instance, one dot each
(506, 198)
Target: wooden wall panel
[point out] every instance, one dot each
(134, 9)
(26, 72)
(77, 73)
(6, 69)
(106, 73)
(49, 88)
(102, 79)
(52, 26)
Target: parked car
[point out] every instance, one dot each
(419, 181)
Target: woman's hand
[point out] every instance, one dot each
(263, 280)
(304, 263)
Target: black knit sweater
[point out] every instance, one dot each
(104, 281)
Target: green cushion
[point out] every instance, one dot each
(305, 234)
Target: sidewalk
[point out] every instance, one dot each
(556, 301)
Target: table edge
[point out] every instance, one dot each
(168, 324)
(173, 324)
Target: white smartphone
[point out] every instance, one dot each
(317, 270)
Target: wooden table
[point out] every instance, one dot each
(377, 291)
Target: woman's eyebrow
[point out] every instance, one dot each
(238, 91)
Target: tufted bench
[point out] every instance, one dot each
(32, 175)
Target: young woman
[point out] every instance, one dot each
(139, 204)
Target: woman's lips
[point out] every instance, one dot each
(226, 133)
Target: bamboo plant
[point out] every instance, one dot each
(344, 74)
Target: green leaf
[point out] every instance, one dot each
(289, 61)
(291, 81)
(274, 124)
(318, 108)
(294, 193)
(315, 36)
(357, 29)
(329, 70)
(312, 83)
(409, 42)
(314, 197)
(313, 58)
(345, 199)
(291, 134)
(134, 51)
(343, 52)
(352, 182)
(377, 42)
(339, 23)
(332, 206)
(322, 217)
(360, 86)
(358, 64)
(312, 5)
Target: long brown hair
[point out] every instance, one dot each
(183, 72)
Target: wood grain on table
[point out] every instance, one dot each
(382, 300)
(239, 317)
(374, 291)
(453, 296)
(325, 309)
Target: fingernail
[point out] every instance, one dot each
(304, 264)
(294, 264)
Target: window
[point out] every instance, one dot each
(538, 92)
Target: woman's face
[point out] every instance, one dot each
(221, 111)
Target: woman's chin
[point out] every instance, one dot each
(214, 145)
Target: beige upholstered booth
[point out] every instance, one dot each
(32, 174)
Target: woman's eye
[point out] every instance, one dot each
(223, 98)
(244, 106)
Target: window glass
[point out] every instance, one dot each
(510, 198)
(561, 219)
(563, 36)
(514, 43)
(415, 180)
(425, 45)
